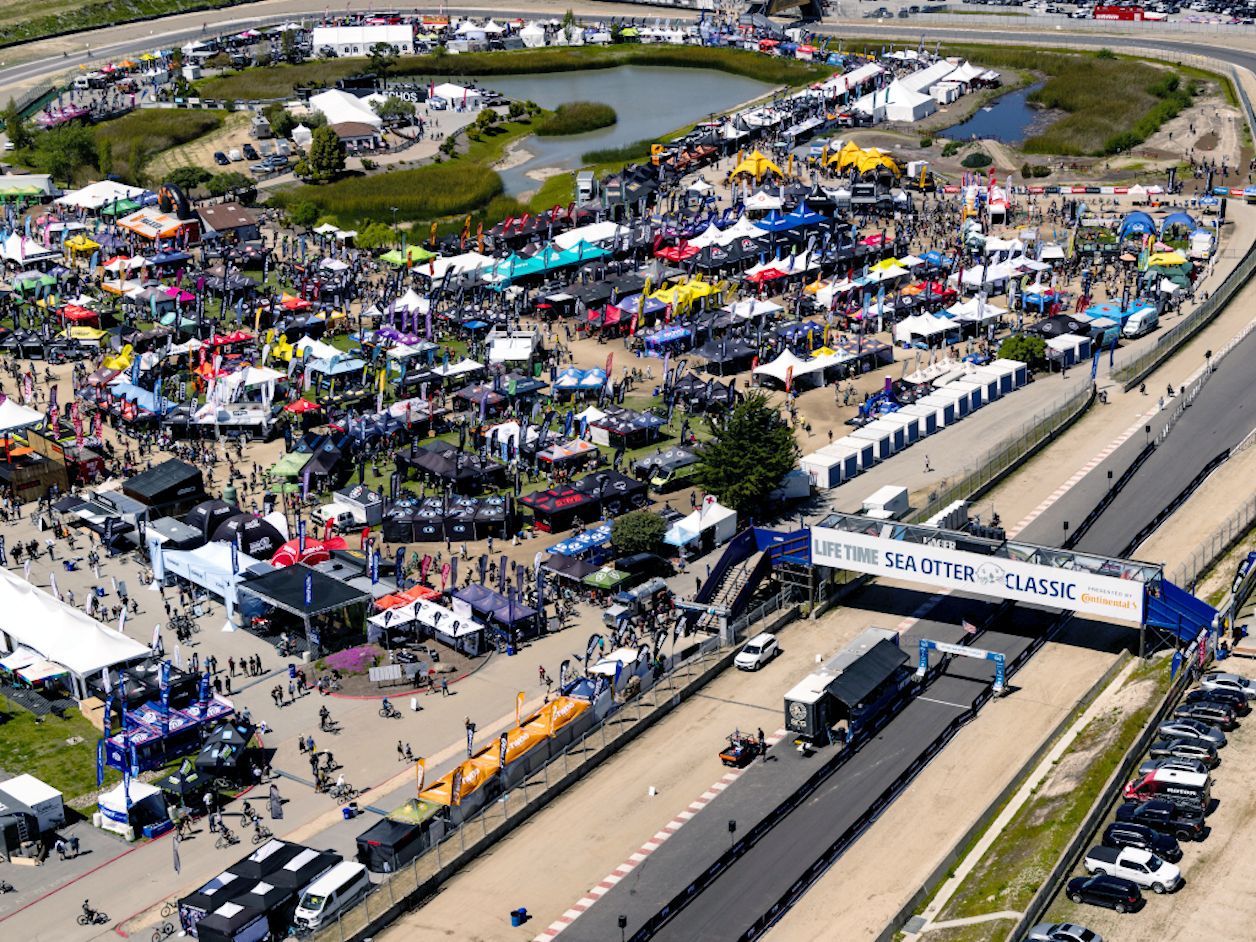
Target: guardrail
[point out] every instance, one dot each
(1003, 458)
(403, 888)
(1220, 540)
(1108, 796)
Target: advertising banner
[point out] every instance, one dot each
(1102, 596)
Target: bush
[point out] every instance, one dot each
(976, 160)
(951, 149)
(303, 214)
(637, 532)
(1021, 347)
(1105, 54)
(577, 117)
(1041, 171)
(629, 153)
(926, 142)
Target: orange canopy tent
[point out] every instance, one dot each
(397, 599)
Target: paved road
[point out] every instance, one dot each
(1223, 414)
(779, 858)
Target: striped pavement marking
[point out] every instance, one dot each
(1081, 473)
(649, 847)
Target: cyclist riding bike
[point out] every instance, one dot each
(387, 707)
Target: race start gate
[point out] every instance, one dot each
(943, 648)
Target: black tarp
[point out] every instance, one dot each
(264, 861)
(855, 683)
(170, 482)
(390, 844)
(285, 588)
(231, 922)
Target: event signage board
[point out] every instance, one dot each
(1089, 594)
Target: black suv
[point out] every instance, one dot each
(1214, 714)
(1127, 834)
(1235, 701)
(1103, 890)
(1184, 823)
(1182, 747)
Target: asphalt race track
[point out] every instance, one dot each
(755, 882)
(1221, 416)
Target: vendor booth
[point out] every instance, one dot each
(129, 808)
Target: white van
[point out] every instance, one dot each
(337, 889)
(1141, 322)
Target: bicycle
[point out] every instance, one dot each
(92, 917)
(164, 931)
(261, 833)
(169, 908)
(345, 792)
(390, 712)
(226, 839)
(6, 887)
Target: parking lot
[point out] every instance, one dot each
(1208, 906)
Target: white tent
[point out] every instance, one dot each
(438, 268)
(975, 310)
(302, 136)
(709, 515)
(751, 308)
(786, 362)
(533, 36)
(595, 234)
(60, 633)
(318, 349)
(24, 251)
(907, 104)
(457, 369)
(743, 228)
(763, 200)
(14, 416)
(340, 107)
(920, 82)
(709, 236)
(146, 805)
(209, 566)
(102, 193)
(458, 95)
(922, 325)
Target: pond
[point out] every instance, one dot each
(1009, 119)
(649, 102)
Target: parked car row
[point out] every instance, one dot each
(1166, 803)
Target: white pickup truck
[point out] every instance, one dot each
(1136, 865)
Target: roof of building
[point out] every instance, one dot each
(224, 216)
(350, 129)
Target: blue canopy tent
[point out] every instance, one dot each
(804, 215)
(640, 304)
(1138, 222)
(775, 222)
(1178, 219)
(579, 545)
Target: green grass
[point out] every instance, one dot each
(628, 153)
(23, 22)
(577, 117)
(279, 81)
(38, 747)
(1013, 868)
(1112, 104)
(140, 135)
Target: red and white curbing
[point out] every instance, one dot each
(1085, 470)
(649, 847)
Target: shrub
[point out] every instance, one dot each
(1105, 54)
(1021, 347)
(353, 661)
(976, 160)
(951, 149)
(926, 142)
(1042, 170)
(629, 153)
(577, 117)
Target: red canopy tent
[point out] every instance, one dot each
(678, 253)
(72, 312)
(302, 405)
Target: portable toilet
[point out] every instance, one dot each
(824, 471)
(927, 418)
(882, 439)
(898, 437)
(865, 450)
(991, 386)
(847, 451)
(962, 399)
(944, 409)
(910, 425)
(1017, 370)
(974, 391)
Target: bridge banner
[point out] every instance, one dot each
(996, 576)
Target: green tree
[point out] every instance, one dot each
(187, 178)
(19, 131)
(516, 110)
(637, 532)
(292, 50)
(282, 121)
(753, 450)
(381, 58)
(327, 155)
(569, 19)
(236, 184)
(104, 157)
(375, 236)
(1031, 350)
(65, 150)
(303, 214)
(394, 109)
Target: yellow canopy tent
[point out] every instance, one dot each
(1166, 258)
(83, 333)
(871, 160)
(757, 165)
(848, 155)
(80, 243)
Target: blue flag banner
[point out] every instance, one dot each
(309, 589)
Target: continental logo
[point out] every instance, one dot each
(1091, 598)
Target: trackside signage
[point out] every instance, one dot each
(1104, 596)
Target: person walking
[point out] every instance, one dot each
(444, 687)
(60, 849)
(401, 753)
(231, 665)
(74, 845)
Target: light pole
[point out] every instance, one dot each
(394, 212)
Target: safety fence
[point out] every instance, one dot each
(1229, 532)
(1111, 793)
(408, 886)
(975, 480)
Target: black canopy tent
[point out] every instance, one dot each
(285, 589)
(225, 752)
(464, 471)
(725, 356)
(233, 922)
(221, 889)
(208, 515)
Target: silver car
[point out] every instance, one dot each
(1234, 683)
(1173, 763)
(1061, 932)
(1185, 729)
